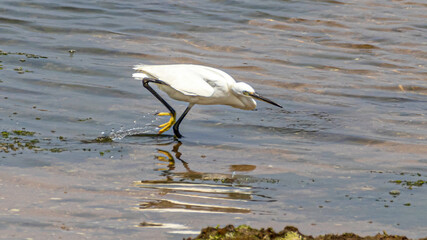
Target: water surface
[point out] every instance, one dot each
(345, 153)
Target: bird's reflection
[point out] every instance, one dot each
(191, 191)
(195, 186)
(167, 162)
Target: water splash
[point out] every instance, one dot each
(122, 133)
(149, 128)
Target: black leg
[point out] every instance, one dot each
(176, 126)
(145, 82)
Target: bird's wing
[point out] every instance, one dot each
(191, 80)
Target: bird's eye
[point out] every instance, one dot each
(246, 93)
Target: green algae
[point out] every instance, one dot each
(409, 184)
(84, 119)
(57, 150)
(103, 139)
(20, 69)
(23, 133)
(28, 55)
(23, 140)
(20, 140)
(13, 143)
(5, 134)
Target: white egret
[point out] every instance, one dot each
(195, 84)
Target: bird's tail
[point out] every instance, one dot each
(140, 73)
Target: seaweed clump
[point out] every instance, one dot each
(245, 232)
(410, 184)
(103, 139)
(242, 232)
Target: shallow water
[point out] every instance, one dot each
(351, 76)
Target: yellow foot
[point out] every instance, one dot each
(166, 126)
(168, 159)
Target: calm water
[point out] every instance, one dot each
(341, 156)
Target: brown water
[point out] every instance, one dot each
(351, 76)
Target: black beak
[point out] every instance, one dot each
(257, 96)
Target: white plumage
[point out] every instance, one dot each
(196, 84)
(190, 80)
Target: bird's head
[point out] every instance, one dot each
(243, 89)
